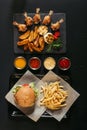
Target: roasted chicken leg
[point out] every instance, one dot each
(28, 19)
(37, 17)
(21, 27)
(56, 26)
(47, 18)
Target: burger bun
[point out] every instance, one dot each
(25, 97)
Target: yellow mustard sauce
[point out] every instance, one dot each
(20, 62)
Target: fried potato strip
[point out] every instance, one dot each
(54, 96)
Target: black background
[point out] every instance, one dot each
(76, 29)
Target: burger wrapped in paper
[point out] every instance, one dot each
(25, 95)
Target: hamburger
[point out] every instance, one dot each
(25, 95)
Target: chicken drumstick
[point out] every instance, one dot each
(21, 27)
(47, 18)
(56, 26)
(28, 19)
(37, 17)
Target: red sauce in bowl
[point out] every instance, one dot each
(64, 63)
(34, 63)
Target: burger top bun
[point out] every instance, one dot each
(25, 97)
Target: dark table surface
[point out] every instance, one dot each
(76, 39)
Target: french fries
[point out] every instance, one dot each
(54, 96)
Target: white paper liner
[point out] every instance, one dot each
(28, 77)
(72, 95)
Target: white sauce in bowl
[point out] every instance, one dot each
(49, 63)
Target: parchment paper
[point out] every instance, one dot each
(72, 95)
(28, 77)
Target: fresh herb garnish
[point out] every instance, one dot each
(55, 44)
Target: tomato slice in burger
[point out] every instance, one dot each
(25, 85)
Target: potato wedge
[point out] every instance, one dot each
(25, 35)
(35, 32)
(31, 36)
(23, 42)
(30, 47)
(26, 47)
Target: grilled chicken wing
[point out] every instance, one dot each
(21, 27)
(56, 26)
(28, 19)
(47, 18)
(37, 17)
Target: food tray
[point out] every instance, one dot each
(13, 112)
(55, 17)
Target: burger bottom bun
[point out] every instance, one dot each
(27, 110)
(25, 97)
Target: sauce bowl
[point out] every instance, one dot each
(20, 62)
(34, 63)
(64, 63)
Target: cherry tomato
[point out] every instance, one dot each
(56, 35)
